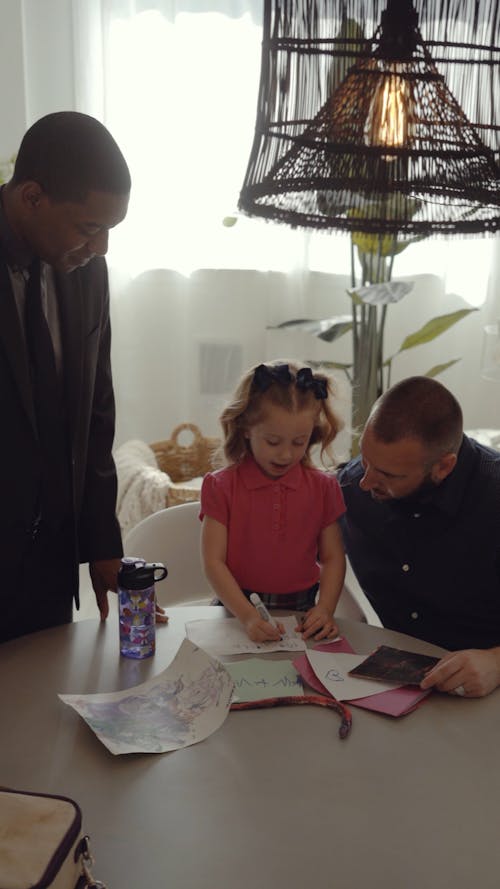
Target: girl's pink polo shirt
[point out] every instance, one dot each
(273, 525)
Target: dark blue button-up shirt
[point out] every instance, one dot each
(431, 566)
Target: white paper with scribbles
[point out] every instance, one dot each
(181, 706)
(228, 636)
(332, 670)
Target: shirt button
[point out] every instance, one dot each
(405, 567)
(414, 615)
(276, 506)
(416, 515)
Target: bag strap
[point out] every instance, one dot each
(86, 881)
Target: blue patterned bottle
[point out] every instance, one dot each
(137, 605)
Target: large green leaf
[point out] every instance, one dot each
(335, 331)
(329, 365)
(439, 368)
(434, 328)
(328, 329)
(295, 322)
(377, 245)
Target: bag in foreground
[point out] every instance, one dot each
(41, 843)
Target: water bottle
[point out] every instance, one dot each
(137, 605)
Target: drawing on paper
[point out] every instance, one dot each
(227, 636)
(256, 678)
(181, 706)
(333, 671)
(334, 676)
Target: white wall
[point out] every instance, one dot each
(49, 69)
(12, 76)
(161, 319)
(35, 64)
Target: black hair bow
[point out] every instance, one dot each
(265, 375)
(306, 380)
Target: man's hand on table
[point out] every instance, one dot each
(104, 576)
(472, 673)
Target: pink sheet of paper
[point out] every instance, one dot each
(396, 702)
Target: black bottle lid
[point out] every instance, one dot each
(137, 574)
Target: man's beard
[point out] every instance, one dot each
(421, 495)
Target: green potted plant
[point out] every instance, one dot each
(371, 293)
(6, 169)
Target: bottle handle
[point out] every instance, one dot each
(159, 571)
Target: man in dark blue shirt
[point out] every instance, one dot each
(422, 531)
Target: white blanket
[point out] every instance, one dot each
(142, 486)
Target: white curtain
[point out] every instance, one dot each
(176, 83)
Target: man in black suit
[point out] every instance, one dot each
(70, 186)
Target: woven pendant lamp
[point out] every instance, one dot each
(379, 116)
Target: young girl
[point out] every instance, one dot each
(269, 517)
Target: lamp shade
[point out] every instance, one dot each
(380, 116)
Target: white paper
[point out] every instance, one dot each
(181, 706)
(332, 669)
(228, 636)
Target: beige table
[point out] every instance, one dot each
(274, 799)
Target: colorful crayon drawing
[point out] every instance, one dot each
(181, 706)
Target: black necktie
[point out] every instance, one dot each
(48, 404)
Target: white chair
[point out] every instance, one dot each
(353, 603)
(172, 536)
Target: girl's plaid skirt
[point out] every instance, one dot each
(302, 600)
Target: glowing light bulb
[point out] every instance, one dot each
(387, 123)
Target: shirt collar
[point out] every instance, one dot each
(448, 495)
(253, 477)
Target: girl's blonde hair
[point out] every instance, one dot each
(286, 386)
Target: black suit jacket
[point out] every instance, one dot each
(83, 298)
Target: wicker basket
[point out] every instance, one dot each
(185, 462)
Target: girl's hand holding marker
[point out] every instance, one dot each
(273, 630)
